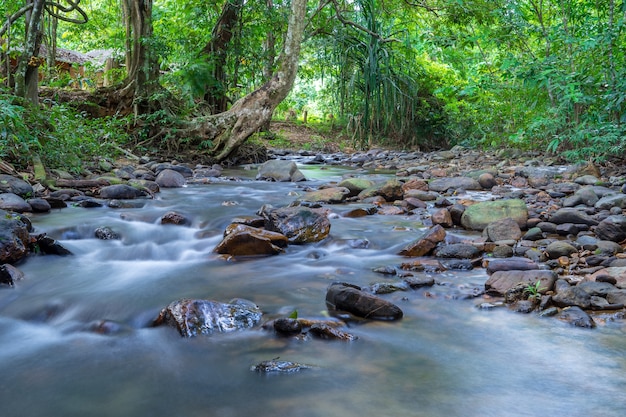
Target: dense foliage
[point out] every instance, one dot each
(545, 75)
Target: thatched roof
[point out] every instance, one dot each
(65, 55)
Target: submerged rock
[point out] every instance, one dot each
(576, 317)
(351, 299)
(275, 365)
(9, 274)
(194, 317)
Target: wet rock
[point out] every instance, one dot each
(324, 331)
(14, 185)
(299, 224)
(613, 228)
(120, 192)
(425, 243)
(172, 217)
(503, 229)
(502, 251)
(572, 215)
(39, 205)
(14, 238)
(46, 245)
(356, 185)
(616, 274)
(168, 178)
(194, 317)
(419, 282)
(442, 217)
(183, 170)
(9, 274)
(150, 186)
(421, 195)
(351, 299)
(280, 171)
(454, 183)
(106, 233)
(457, 250)
(385, 287)
(510, 264)
(275, 365)
(13, 202)
(479, 215)
(391, 190)
(415, 184)
(533, 234)
(559, 248)
(360, 212)
(576, 317)
(331, 195)
(242, 240)
(287, 326)
(502, 281)
(524, 306)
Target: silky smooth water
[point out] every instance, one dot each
(445, 358)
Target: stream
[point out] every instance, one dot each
(445, 358)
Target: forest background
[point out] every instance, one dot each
(541, 75)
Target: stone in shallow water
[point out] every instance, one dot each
(275, 365)
(351, 299)
(194, 317)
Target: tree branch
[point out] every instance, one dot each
(359, 27)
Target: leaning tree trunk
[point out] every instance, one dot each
(230, 129)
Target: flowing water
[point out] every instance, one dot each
(444, 358)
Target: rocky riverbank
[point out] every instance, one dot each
(550, 236)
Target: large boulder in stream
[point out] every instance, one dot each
(195, 317)
(13, 202)
(169, 178)
(120, 192)
(299, 224)
(353, 300)
(502, 281)
(14, 238)
(243, 240)
(478, 216)
(280, 171)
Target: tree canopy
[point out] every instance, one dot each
(542, 75)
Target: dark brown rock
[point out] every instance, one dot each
(299, 224)
(242, 240)
(351, 299)
(9, 274)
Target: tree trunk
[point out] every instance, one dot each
(142, 61)
(26, 76)
(232, 128)
(215, 51)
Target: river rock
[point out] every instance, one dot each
(299, 224)
(193, 317)
(572, 296)
(503, 229)
(442, 217)
(13, 202)
(457, 250)
(324, 331)
(10, 184)
(331, 195)
(415, 184)
(516, 263)
(14, 238)
(356, 185)
(351, 299)
(502, 281)
(612, 228)
(39, 205)
(425, 243)
(183, 170)
(168, 178)
(48, 246)
(572, 215)
(275, 365)
(280, 171)
(120, 192)
(612, 200)
(617, 273)
(487, 180)
(454, 183)
(559, 248)
(479, 215)
(242, 240)
(106, 233)
(391, 190)
(172, 217)
(9, 274)
(576, 317)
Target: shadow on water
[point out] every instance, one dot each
(444, 358)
